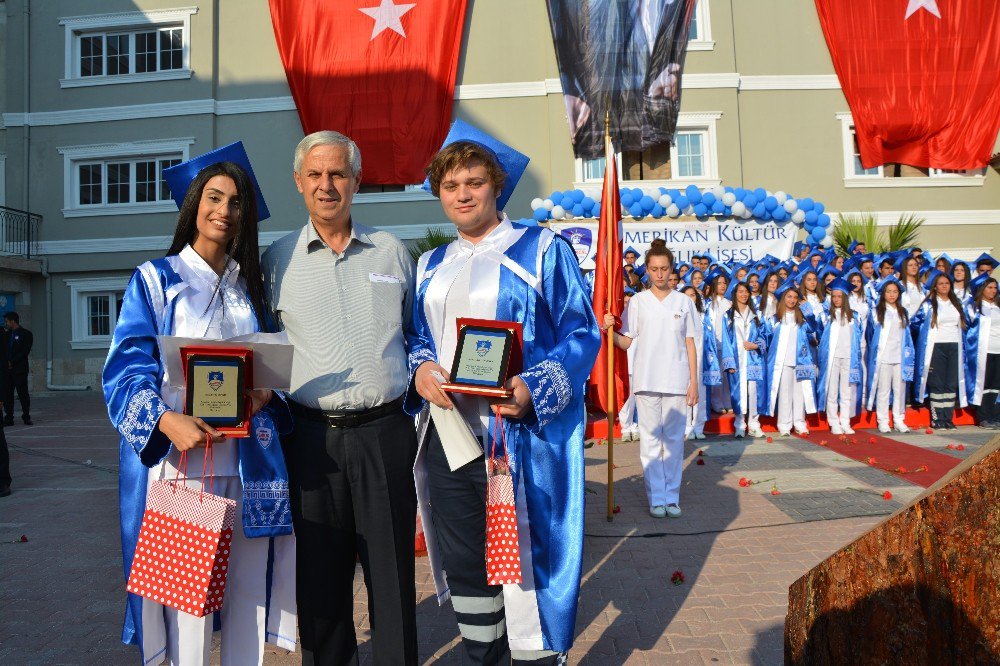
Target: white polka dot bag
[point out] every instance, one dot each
(503, 556)
(182, 556)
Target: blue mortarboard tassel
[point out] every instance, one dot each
(511, 161)
(179, 177)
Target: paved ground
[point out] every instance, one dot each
(738, 548)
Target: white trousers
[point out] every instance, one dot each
(698, 415)
(662, 418)
(791, 402)
(749, 419)
(839, 392)
(180, 639)
(626, 417)
(890, 381)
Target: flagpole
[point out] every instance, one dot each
(610, 268)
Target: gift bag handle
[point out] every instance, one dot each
(209, 463)
(498, 426)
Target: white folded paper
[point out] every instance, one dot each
(272, 357)
(460, 445)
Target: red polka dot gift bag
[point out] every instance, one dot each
(503, 556)
(182, 556)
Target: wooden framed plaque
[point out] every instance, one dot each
(488, 353)
(216, 380)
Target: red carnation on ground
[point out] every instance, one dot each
(775, 491)
(23, 539)
(901, 470)
(617, 509)
(701, 452)
(677, 577)
(922, 468)
(928, 432)
(770, 440)
(822, 442)
(960, 447)
(871, 440)
(887, 495)
(701, 461)
(871, 461)
(744, 482)
(951, 446)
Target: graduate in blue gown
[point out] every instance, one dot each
(891, 357)
(791, 371)
(208, 286)
(743, 347)
(839, 380)
(501, 270)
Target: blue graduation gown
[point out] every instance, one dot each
(827, 346)
(876, 347)
(132, 378)
(924, 348)
(540, 286)
(805, 369)
(977, 337)
(752, 370)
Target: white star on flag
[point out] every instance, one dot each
(916, 5)
(387, 16)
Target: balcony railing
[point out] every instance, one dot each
(19, 232)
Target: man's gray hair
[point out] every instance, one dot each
(328, 138)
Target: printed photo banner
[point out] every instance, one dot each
(726, 240)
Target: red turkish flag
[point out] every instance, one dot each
(922, 78)
(380, 71)
(609, 267)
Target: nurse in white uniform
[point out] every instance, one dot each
(661, 323)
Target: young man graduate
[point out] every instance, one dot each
(501, 270)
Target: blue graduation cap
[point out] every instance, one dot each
(632, 250)
(886, 281)
(828, 270)
(784, 287)
(946, 257)
(852, 246)
(770, 259)
(179, 177)
(986, 258)
(978, 283)
(851, 273)
(798, 247)
(862, 258)
(511, 161)
(840, 284)
(933, 275)
(690, 274)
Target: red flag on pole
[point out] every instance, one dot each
(920, 76)
(380, 71)
(609, 269)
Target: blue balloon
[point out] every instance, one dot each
(779, 214)
(578, 210)
(627, 199)
(811, 217)
(658, 211)
(662, 190)
(674, 194)
(750, 200)
(568, 198)
(760, 193)
(818, 234)
(770, 203)
(823, 221)
(540, 215)
(819, 208)
(806, 204)
(556, 198)
(808, 227)
(636, 211)
(718, 208)
(759, 210)
(693, 194)
(708, 199)
(588, 203)
(682, 202)
(700, 209)
(578, 196)
(728, 212)
(647, 202)
(740, 193)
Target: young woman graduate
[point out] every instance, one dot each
(209, 286)
(914, 293)
(891, 357)
(767, 303)
(743, 348)
(983, 351)
(940, 351)
(661, 323)
(790, 367)
(716, 307)
(839, 382)
(960, 281)
(698, 414)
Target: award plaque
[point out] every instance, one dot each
(488, 353)
(215, 383)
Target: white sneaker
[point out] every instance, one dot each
(756, 432)
(658, 511)
(784, 433)
(699, 435)
(848, 430)
(673, 511)
(902, 427)
(835, 429)
(801, 430)
(740, 433)
(883, 428)
(635, 433)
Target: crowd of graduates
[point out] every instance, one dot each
(824, 332)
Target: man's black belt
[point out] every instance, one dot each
(347, 419)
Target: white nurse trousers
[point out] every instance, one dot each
(662, 421)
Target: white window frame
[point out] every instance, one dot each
(414, 192)
(154, 149)
(75, 27)
(704, 42)
(704, 123)
(936, 178)
(79, 291)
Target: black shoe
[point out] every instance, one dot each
(27, 420)
(4, 491)
(9, 420)
(950, 426)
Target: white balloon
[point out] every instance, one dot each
(747, 214)
(738, 208)
(798, 217)
(673, 210)
(689, 210)
(827, 241)
(791, 205)
(781, 197)
(568, 216)
(536, 204)
(729, 199)
(558, 212)
(719, 191)
(665, 200)
(548, 205)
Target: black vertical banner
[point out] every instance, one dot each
(622, 55)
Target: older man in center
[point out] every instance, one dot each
(343, 292)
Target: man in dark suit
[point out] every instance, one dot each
(18, 345)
